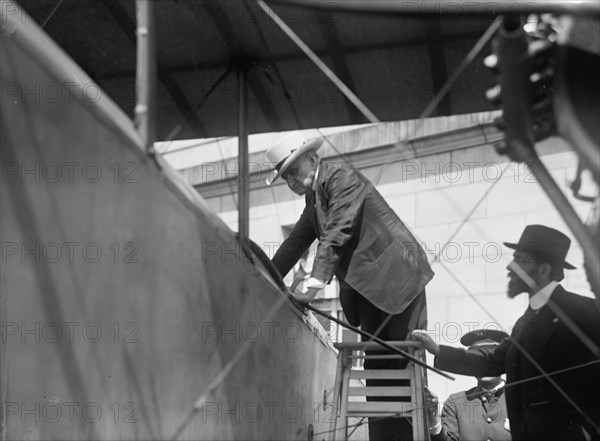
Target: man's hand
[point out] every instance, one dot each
(431, 346)
(432, 405)
(307, 296)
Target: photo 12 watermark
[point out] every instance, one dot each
(254, 412)
(68, 332)
(419, 170)
(436, 251)
(89, 12)
(55, 252)
(57, 411)
(71, 172)
(235, 332)
(49, 92)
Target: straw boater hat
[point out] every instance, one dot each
(287, 149)
(543, 244)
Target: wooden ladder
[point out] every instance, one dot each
(347, 399)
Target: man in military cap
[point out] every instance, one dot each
(478, 413)
(551, 359)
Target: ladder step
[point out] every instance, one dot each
(379, 408)
(377, 357)
(380, 391)
(396, 374)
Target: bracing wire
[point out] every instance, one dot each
(320, 64)
(480, 44)
(527, 355)
(470, 57)
(350, 95)
(224, 372)
(47, 19)
(484, 39)
(426, 407)
(232, 191)
(445, 88)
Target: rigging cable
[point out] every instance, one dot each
(47, 19)
(525, 352)
(425, 408)
(483, 40)
(224, 372)
(371, 117)
(470, 57)
(320, 64)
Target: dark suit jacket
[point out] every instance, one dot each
(473, 415)
(536, 409)
(361, 241)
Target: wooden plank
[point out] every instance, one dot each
(346, 372)
(405, 409)
(336, 397)
(420, 422)
(407, 346)
(378, 357)
(395, 374)
(381, 391)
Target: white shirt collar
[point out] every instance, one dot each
(314, 184)
(496, 388)
(540, 298)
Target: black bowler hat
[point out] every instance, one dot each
(483, 337)
(544, 244)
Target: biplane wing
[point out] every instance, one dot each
(394, 63)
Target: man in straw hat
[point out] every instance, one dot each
(478, 413)
(381, 269)
(551, 359)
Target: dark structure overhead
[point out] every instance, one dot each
(393, 62)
